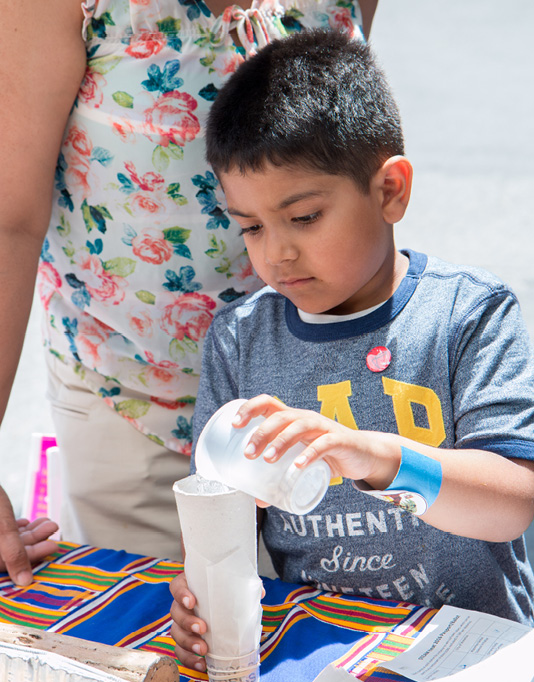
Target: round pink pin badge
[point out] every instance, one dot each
(378, 359)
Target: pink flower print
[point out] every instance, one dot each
(161, 377)
(146, 44)
(134, 422)
(111, 290)
(161, 380)
(186, 315)
(184, 448)
(242, 268)
(171, 119)
(91, 340)
(149, 181)
(141, 323)
(162, 363)
(227, 15)
(145, 202)
(77, 173)
(109, 402)
(226, 63)
(179, 446)
(79, 139)
(151, 247)
(341, 20)
(91, 89)
(48, 282)
(124, 129)
(100, 284)
(77, 150)
(168, 404)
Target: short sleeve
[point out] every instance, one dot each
(493, 379)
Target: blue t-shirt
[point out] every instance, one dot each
(461, 375)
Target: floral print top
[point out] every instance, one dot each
(140, 252)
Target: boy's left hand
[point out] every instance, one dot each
(360, 455)
(187, 629)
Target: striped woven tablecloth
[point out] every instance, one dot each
(124, 600)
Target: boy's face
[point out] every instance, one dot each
(315, 238)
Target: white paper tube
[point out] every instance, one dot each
(219, 533)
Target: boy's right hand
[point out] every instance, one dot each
(187, 628)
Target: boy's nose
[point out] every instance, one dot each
(277, 251)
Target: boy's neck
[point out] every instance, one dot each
(380, 290)
(401, 264)
(326, 318)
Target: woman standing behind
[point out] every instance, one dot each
(105, 192)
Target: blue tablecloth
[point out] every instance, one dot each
(123, 599)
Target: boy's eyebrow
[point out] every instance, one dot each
(299, 196)
(288, 201)
(234, 211)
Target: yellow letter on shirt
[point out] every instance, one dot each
(334, 399)
(335, 404)
(403, 396)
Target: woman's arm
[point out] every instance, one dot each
(42, 62)
(368, 8)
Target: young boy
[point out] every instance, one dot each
(412, 377)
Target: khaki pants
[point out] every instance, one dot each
(116, 482)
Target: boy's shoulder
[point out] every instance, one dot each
(460, 295)
(467, 278)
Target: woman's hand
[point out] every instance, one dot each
(23, 543)
(187, 628)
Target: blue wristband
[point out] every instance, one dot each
(418, 474)
(415, 487)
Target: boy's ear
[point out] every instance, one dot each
(395, 185)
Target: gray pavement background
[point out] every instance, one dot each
(462, 75)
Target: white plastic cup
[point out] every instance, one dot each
(219, 456)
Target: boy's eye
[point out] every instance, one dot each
(254, 229)
(307, 219)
